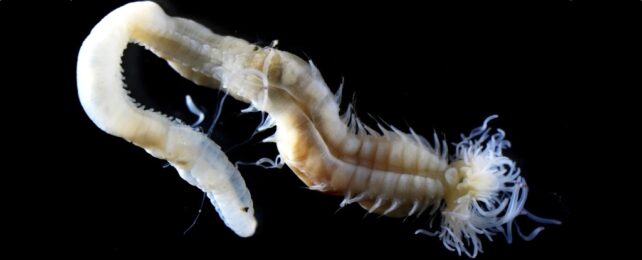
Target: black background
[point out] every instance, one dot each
(560, 74)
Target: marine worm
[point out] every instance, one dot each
(476, 190)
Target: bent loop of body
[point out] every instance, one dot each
(476, 190)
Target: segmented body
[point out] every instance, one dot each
(479, 191)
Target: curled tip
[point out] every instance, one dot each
(487, 120)
(541, 220)
(194, 110)
(426, 232)
(530, 236)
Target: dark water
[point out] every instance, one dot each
(553, 72)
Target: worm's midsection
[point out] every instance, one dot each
(385, 174)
